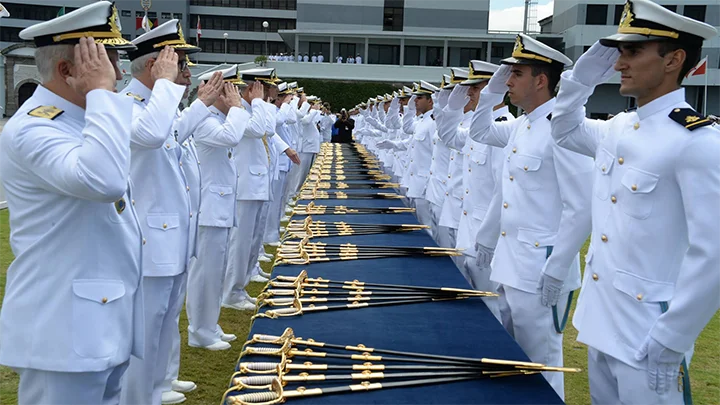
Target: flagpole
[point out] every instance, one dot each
(705, 99)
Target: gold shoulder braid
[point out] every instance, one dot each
(689, 118)
(46, 111)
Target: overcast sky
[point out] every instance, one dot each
(507, 15)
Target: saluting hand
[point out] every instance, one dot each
(231, 96)
(165, 65)
(93, 69)
(596, 66)
(209, 92)
(256, 90)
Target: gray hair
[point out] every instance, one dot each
(47, 57)
(138, 65)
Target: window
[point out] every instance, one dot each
(695, 12)
(152, 14)
(618, 13)
(212, 45)
(165, 16)
(10, 34)
(384, 54)
(346, 50)
(412, 56)
(315, 48)
(126, 13)
(393, 15)
(468, 54)
(127, 37)
(253, 24)
(178, 16)
(262, 4)
(498, 52)
(434, 56)
(34, 12)
(671, 8)
(596, 14)
(139, 14)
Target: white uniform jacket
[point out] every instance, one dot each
(656, 225)
(215, 139)
(545, 198)
(252, 154)
(73, 299)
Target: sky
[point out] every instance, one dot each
(507, 15)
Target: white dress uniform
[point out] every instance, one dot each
(285, 116)
(166, 218)
(652, 267)
(544, 217)
(309, 137)
(252, 157)
(295, 174)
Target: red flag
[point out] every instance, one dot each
(199, 30)
(699, 69)
(138, 23)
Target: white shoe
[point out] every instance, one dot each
(183, 386)
(285, 218)
(292, 203)
(264, 259)
(217, 346)
(266, 275)
(274, 244)
(259, 279)
(172, 397)
(228, 337)
(283, 229)
(244, 305)
(288, 209)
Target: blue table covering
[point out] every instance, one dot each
(456, 328)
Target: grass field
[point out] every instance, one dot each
(212, 370)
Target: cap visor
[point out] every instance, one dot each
(188, 49)
(614, 40)
(470, 82)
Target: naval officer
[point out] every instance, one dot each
(651, 282)
(545, 216)
(72, 312)
(166, 217)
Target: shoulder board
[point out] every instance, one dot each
(501, 118)
(135, 96)
(46, 111)
(689, 118)
(549, 116)
(432, 116)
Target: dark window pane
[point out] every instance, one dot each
(393, 15)
(618, 14)
(434, 56)
(695, 12)
(165, 16)
(671, 8)
(126, 13)
(412, 55)
(596, 14)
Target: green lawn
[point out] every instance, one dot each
(212, 370)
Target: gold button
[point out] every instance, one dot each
(595, 277)
(467, 191)
(639, 297)
(636, 126)
(180, 164)
(446, 193)
(514, 150)
(187, 188)
(144, 241)
(621, 160)
(104, 300)
(676, 110)
(133, 202)
(502, 233)
(603, 168)
(525, 168)
(512, 178)
(164, 226)
(537, 244)
(604, 238)
(167, 145)
(505, 205)
(191, 215)
(464, 212)
(528, 126)
(634, 187)
(222, 193)
(613, 199)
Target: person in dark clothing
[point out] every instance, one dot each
(345, 126)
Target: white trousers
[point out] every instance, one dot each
(143, 383)
(276, 210)
(258, 233)
(531, 324)
(51, 387)
(241, 256)
(292, 183)
(614, 382)
(441, 234)
(173, 369)
(205, 286)
(423, 212)
(479, 279)
(306, 161)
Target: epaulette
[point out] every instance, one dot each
(135, 96)
(432, 116)
(631, 109)
(46, 111)
(549, 117)
(689, 118)
(501, 118)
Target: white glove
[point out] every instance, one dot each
(395, 103)
(411, 105)
(551, 288)
(458, 98)
(442, 98)
(663, 364)
(384, 144)
(483, 256)
(596, 66)
(364, 112)
(434, 97)
(497, 83)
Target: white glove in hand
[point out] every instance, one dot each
(596, 66)
(551, 288)
(483, 256)
(395, 103)
(384, 144)
(442, 98)
(663, 365)
(499, 78)
(458, 98)
(411, 105)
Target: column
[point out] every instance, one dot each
(366, 59)
(297, 46)
(331, 57)
(445, 53)
(402, 51)
(488, 54)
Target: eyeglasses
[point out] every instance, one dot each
(182, 65)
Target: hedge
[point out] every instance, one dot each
(344, 94)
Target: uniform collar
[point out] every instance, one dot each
(661, 104)
(501, 111)
(214, 110)
(136, 87)
(542, 111)
(48, 97)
